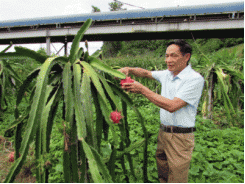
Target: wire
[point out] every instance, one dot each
(129, 4)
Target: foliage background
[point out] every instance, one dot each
(218, 156)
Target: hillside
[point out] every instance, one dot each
(157, 47)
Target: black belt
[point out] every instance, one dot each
(174, 129)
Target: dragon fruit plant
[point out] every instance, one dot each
(75, 83)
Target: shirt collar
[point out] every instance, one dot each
(182, 74)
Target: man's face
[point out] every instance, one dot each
(174, 59)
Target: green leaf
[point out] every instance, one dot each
(88, 109)
(1, 67)
(34, 117)
(102, 167)
(106, 114)
(75, 44)
(68, 96)
(105, 68)
(97, 53)
(12, 55)
(90, 71)
(131, 147)
(31, 54)
(15, 123)
(129, 102)
(110, 92)
(80, 53)
(93, 165)
(25, 85)
(99, 117)
(80, 119)
(111, 163)
(227, 99)
(12, 73)
(7, 48)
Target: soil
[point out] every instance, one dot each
(25, 175)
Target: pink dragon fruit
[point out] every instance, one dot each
(127, 80)
(11, 157)
(116, 116)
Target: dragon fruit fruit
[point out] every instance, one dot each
(11, 157)
(116, 116)
(127, 80)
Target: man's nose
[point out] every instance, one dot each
(168, 59)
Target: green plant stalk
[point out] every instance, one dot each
(99, 118)
(83, 169)
(127, 140)
(122, 162)
(74, 153)
(141, 120)
(38, 155)
(88, 111)
(46, 125)
(35, 114)
(111, 163)
(68, 101)
(74, 52)
(102, 167)
(92, 163)
(79, 114)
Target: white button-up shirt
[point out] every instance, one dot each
(188, 86)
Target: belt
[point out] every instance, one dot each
(174, 129)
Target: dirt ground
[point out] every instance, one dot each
(25, 175)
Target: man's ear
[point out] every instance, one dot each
(187, 56)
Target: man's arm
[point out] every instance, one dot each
(138, 72)
(160, 101)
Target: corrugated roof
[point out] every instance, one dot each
(130, 14)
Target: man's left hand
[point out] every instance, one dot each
(134, 87)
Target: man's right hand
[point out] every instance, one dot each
(124, 70)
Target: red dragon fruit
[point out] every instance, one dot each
(116, 116)
(127, 80)
(11, 157)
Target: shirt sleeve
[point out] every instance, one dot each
(158, 75)
(191, 91)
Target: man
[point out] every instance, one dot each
(178, 102)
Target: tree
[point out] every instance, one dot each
(112, 47)
(116, 6)
(95, 9)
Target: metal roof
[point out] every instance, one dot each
(130, 14)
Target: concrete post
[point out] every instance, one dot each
(48, 42)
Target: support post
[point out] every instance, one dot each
(65, 45)
(48, 42)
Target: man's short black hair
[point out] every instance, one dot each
(185, 48)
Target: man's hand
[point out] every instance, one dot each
(124, 70)
(134, 87)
